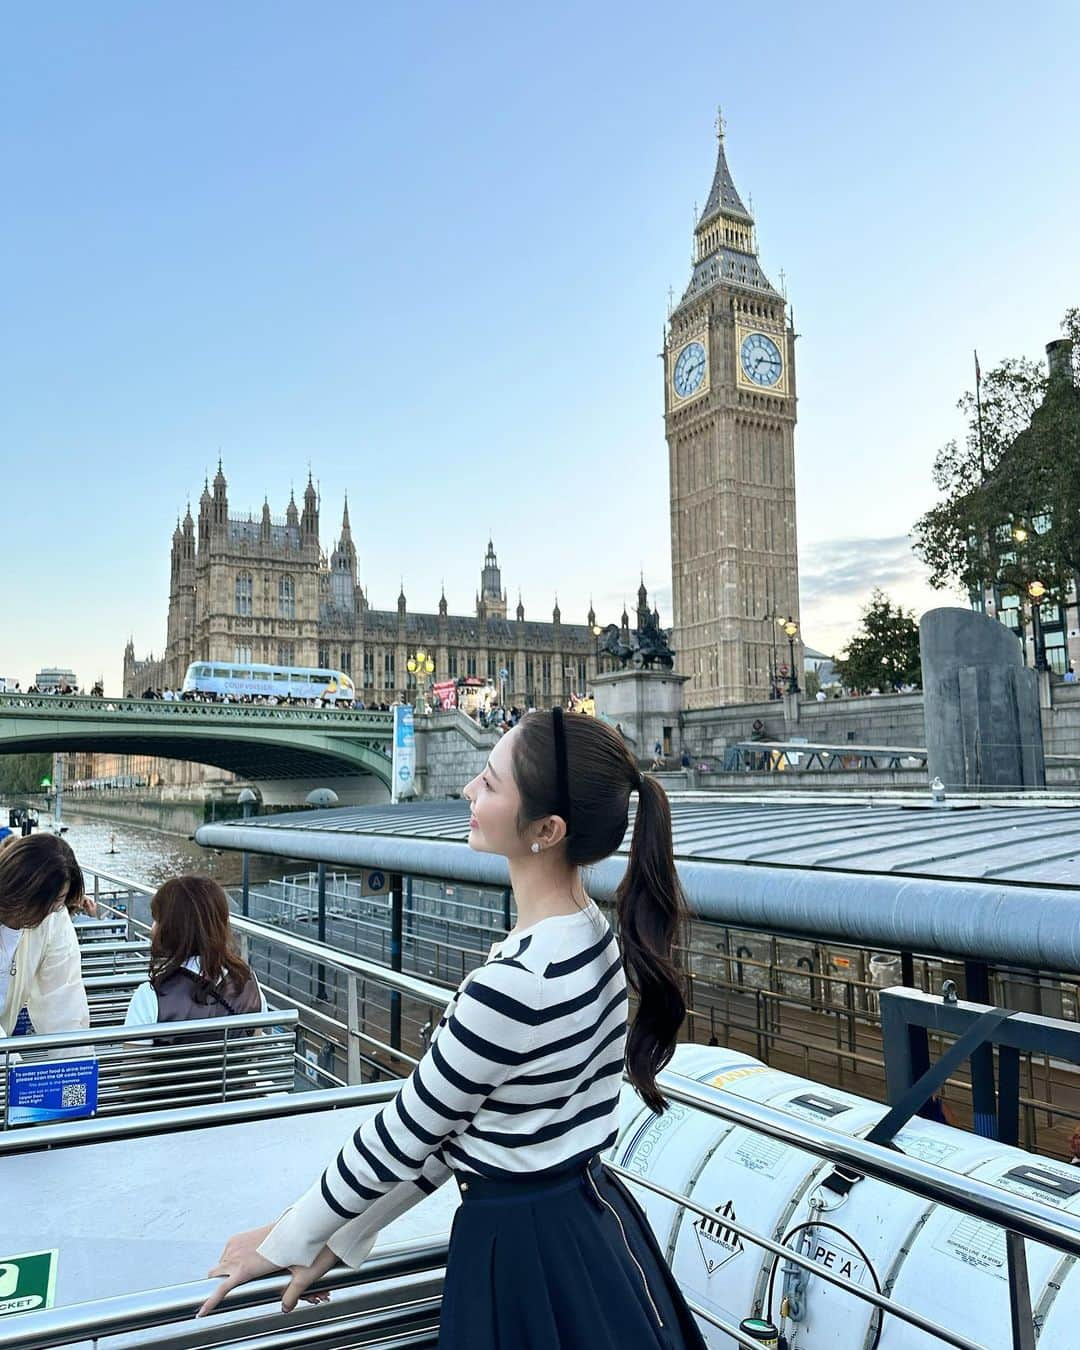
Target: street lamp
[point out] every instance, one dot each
(419, 665)
(1036, 593)
(791, 628)
(597, 633)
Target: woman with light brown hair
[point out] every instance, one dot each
(41, 883)
(196, 970)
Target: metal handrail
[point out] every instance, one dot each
(401, 1275)
(72, 1133)
(317, 951)
(213, 1028)
(938, 916)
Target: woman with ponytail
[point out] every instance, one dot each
(518, 1093)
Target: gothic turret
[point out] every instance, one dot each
(292, 515)
(556, 613)
(591, 620)
(520, 610)
(221, 499)
(642, 606)
(401, 601)
(343, 566)
(264, 523)
(309, 520)
(491, 601)
(442, 604)
(205, 508)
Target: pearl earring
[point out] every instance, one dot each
(536, 848)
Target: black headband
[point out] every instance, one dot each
(562, 776)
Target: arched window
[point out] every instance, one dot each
(245, 590)
(286, 602)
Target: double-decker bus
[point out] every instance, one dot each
(237, 678)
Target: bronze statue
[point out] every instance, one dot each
(648, 646)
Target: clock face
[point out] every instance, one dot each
(761, 359)
(689, 369)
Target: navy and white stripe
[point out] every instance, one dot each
(522, 1076)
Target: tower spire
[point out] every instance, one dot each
(725, 245)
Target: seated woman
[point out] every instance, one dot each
(195, 968)
(40, 966)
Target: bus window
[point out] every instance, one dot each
(242, 675)
(220, 674)
(281, 676)
(202, 671)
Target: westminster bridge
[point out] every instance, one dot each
(255, 741)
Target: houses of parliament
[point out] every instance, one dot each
(252, 588)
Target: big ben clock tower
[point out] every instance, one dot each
(729, 415)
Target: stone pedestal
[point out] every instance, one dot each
(983, 726)
(647, 705)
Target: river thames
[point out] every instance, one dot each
(150, 856)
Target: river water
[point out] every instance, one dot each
(149, 856)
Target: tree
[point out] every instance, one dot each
(22, 774)
(1010, 508)
(884, 654)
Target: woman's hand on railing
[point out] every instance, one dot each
(241, 1262)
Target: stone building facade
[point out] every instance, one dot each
(729, 401)
(252, 588)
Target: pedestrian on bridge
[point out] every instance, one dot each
(518, 1093)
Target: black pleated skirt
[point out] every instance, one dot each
(563, 1261)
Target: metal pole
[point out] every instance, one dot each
(1036, 634)
(321, 933)
(58, 787)
(397, 895)
(1023, 1324)
(919, 1040)
(245, 871)
(983, 1096)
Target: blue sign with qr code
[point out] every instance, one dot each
(55, 1090)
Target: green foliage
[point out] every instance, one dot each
(21, 775)
(811, 683)
(885, 652)
(1024, 472)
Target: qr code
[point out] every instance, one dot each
(73, 1094)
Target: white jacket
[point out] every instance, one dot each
(47, 979)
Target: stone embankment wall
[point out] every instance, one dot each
(450, 750)
(147, 808)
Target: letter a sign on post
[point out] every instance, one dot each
(403, 766)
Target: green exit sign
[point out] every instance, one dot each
(27, 1282)
(46, 782)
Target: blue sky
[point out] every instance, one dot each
(426, 248)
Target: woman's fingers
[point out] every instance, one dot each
(225, 1287)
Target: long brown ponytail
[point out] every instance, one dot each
(650, 906)
(652, 913)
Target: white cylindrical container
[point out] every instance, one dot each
(949, 1268)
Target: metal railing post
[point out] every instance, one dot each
(352, 1016)
(397, 898)
(321, 929)
(983, 1097)
(1023, 1324)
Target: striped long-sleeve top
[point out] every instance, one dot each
(522, 1076)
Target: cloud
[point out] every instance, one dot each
(837, 576)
